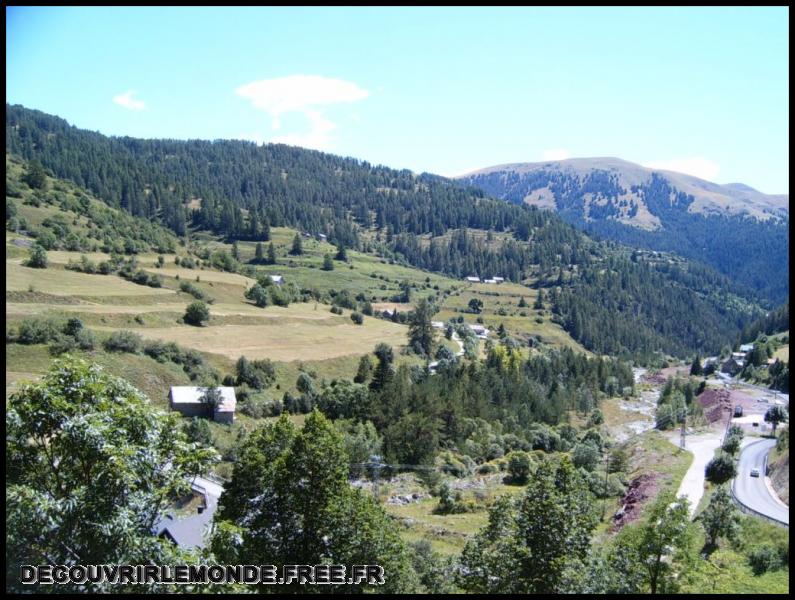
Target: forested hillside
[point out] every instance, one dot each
(607, 301)
(737, 230)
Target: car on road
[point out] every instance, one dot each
(754, 472)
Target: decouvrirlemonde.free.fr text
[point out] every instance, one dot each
(196, 574)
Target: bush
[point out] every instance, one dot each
(763, 559)
(720, 469)
(336, 310)
(37, 330)
(123, 341)
(197, 313)
(37, 258)
(357, 318)
(518, 467)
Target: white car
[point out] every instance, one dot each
(754, 472)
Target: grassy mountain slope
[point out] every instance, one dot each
(734, 228)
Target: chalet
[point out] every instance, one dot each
(306, 234)
(746, 348)
(437, 324)
(188, 400)
(189, 531)
(499, 279)
(490, 281)
(473, 279)
(322, 237)
(479, 330)
(732, 366)
(277, 279)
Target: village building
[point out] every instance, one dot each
(188, 401)
(277, 279)
(732, 365)
(499, 279)
(473, 279)
(189, 531)
(437, 324)
(489, 281)
(480, 330)
(746, 348)
(322, 237)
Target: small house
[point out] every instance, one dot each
(499, 279)
(490, 281)
(473, 279)
(437, 324)
(479, 330)
(746, 348)
(732, 366)
(277, 279)
(189, 401)
(322, 237)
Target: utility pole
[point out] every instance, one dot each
(683, 431)
(604, 500)
(375, 465)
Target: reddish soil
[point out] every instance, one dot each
(640, 489)
(717, 404)
(661, 376)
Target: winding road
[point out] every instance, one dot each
(753, 492)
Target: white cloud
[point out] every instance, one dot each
(698, 166)
(127, 101)
(555, 154)
(304, 94)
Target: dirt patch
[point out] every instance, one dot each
(640, 489)
(661, 376)
(717, 404)
(779, 477)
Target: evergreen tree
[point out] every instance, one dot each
(328, 263)
(341, 254)
(271, 254)
(422, 336)
(259, 253)
(297, 248)
(695, 367)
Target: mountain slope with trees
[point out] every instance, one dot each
(239, 190)
(734, 228)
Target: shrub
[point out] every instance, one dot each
(763, 559)
(37, 330)
(123, 341)
(518, 467)
(357, 318)
(720, 469)
(336, 310)
(197, 313)
(37, 258)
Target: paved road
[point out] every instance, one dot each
(752, 491)
(702, 446)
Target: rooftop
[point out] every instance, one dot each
(186, 394)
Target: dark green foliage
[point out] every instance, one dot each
(197, 313)
(421, 332)
(532, 541)
(123, 341)
(259, 374)
(357, 318)
(775, 415)
(90, 468)
(765, 558)
(35, 176)
(721, 518)
(328, 263)
(198, 431)
(720, 469)
(266, 516)
(297, 248)
(518, 467)
(364, 370)
(37, 258)
(189, 288)
(759, 256)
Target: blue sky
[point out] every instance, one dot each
(444, 90)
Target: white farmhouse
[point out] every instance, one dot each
(187, 400)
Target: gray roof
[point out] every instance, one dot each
(189, 531)
(187, 394)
